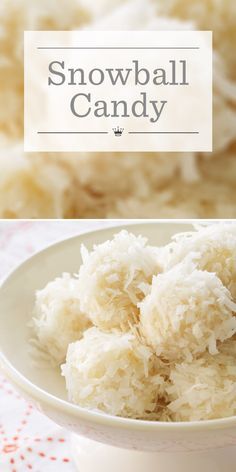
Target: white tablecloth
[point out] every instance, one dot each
(28, 440)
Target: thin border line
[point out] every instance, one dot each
(72, 132)
(163, 132)
(106, 132)
(104, 47)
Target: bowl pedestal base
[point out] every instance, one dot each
(91, 456)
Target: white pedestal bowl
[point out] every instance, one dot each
(100, 442)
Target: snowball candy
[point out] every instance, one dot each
(204, 388)
(58, 319)
(186, 312)
(112, 280)
(213, 248)
(113, 373)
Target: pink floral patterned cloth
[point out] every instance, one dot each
(29, 440)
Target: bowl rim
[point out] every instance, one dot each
(100, 419)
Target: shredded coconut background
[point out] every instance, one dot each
(121, 185)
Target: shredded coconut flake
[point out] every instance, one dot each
(113, 373)
(112, 280)
(58, 319)
(186, 312)
(204, 388)
(212, 248)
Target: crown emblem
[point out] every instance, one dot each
(118, 131)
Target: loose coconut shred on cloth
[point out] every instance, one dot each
(148, 332)
(119, 185)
